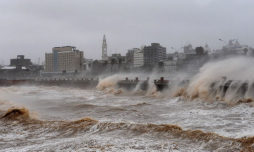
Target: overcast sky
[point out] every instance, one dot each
(33, 27)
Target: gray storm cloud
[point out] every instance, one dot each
(34, 27)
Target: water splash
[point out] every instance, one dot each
(234, 68)
(108, 82)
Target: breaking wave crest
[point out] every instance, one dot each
(230, 80)
(223, 80)
(22, 114)
(109, 82)
(109, 85)
(93, 126)
(15, 113)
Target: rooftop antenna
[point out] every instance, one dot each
(39, 61)
(181, 43)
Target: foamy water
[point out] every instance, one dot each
(128, 121)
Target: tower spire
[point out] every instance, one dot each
(104, 49)
(104, 38)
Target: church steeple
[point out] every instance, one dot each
(104, 49)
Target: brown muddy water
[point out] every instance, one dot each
(39, 118)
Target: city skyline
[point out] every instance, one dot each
(31, 29)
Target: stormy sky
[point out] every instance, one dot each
(31, 27)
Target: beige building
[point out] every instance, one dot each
(49, 65)
(65, 58)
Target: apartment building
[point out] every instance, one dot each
(154, 53)
(65, 58)
(130, 56)
(21, 61)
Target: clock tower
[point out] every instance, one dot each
(104, 49)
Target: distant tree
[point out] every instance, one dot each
(120, 63)
(120, 60)
(113, 61)
(170, 58)
(245, 51)
(105, 64)
(161, 65)
(148, 67)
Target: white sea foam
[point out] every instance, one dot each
(54, 104)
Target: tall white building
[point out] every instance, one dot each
(104, 49)
(138, 58)
(65, 58)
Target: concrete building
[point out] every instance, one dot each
(14, 72)
(20, 61)
(176, 62)
(237, 48)
(88, 64)
(138, 59)
(116, 63)
(189, 51)
(64, 59)
(20, 68)
(116, 66)
(104, 49)
(99, 67)
(154, 53)
(20, 72)
(130, 56)
(208, 50)
(178, 56)
(117, 57)
(170, 56)
(189, 61)
(170, 65)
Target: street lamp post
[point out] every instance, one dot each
(176, 62)
(231, 43)
(225, 43)
(176, 49)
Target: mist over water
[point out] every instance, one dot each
(109, 118)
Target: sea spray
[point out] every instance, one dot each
(234, 68)
(108, 82)
(152, 90)
(138, 87)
